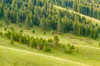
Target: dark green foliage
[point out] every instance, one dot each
(52, 32)
(99, 44)
(43, 14)
(39, 43)
(56, 41)
(5, 28)
(12, 42)
(44, 33)
(33, 31)
(20, 25)
(69, 48)
(50, 40)
(21, 31)
(1, 34)
(46, 49)
(0, 24)
(12, 28)
(91, 9)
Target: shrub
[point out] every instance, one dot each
(64, 49)
(72, 47)
(99, 44)
(33, 31)
(20, 25)
(50, 40)
(1, 33)
(52, 32)
(21, 31)
(12, 28)
(69, 49)
(44, 33)
(5, 28)
(0, 24)
(46, 49)
(12, 42)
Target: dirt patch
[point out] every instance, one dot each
(80, 39)
(74, 43)
(88, 39)
(76, 38)
(72, 37)
(88, 42)
(59, 33)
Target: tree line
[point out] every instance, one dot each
(38, 43)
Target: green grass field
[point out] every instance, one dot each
(16, 57)
(66, 38)
(91, 56)
(89, 50)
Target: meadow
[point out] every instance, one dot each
(88, 54)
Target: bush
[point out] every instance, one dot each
(99, 44)
(33, 31)
(12, 42)
(20, 25)
(44, 33)
(72, 47)
(1, 33)
(46, 49)
(50, 40)
(21, 31)
(0, 24)
(5, 28)
(12, 28)
(69, 49)
(52, 32)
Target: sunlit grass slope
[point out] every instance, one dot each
(12, 57)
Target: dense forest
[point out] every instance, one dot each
(42, 13)
(87, 7)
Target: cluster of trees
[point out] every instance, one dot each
(64, 21)
(39, 43)
(41, 13)
(87, 7)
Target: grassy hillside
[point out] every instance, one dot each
(65, 38)
(88, 53)
(12, 57)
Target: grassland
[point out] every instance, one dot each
(90, 56)
(65, 38)
(13, 57)
(89, 50)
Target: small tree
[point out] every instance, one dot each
(99, 44)
(12, 28)
(0, 24)
(21, 31)
(5, 28)
(56, 40)
(12, 42)
(1, 34)
(20, 25)
(52, 32)
(33, 31)
(46, 49)
(44, 33)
